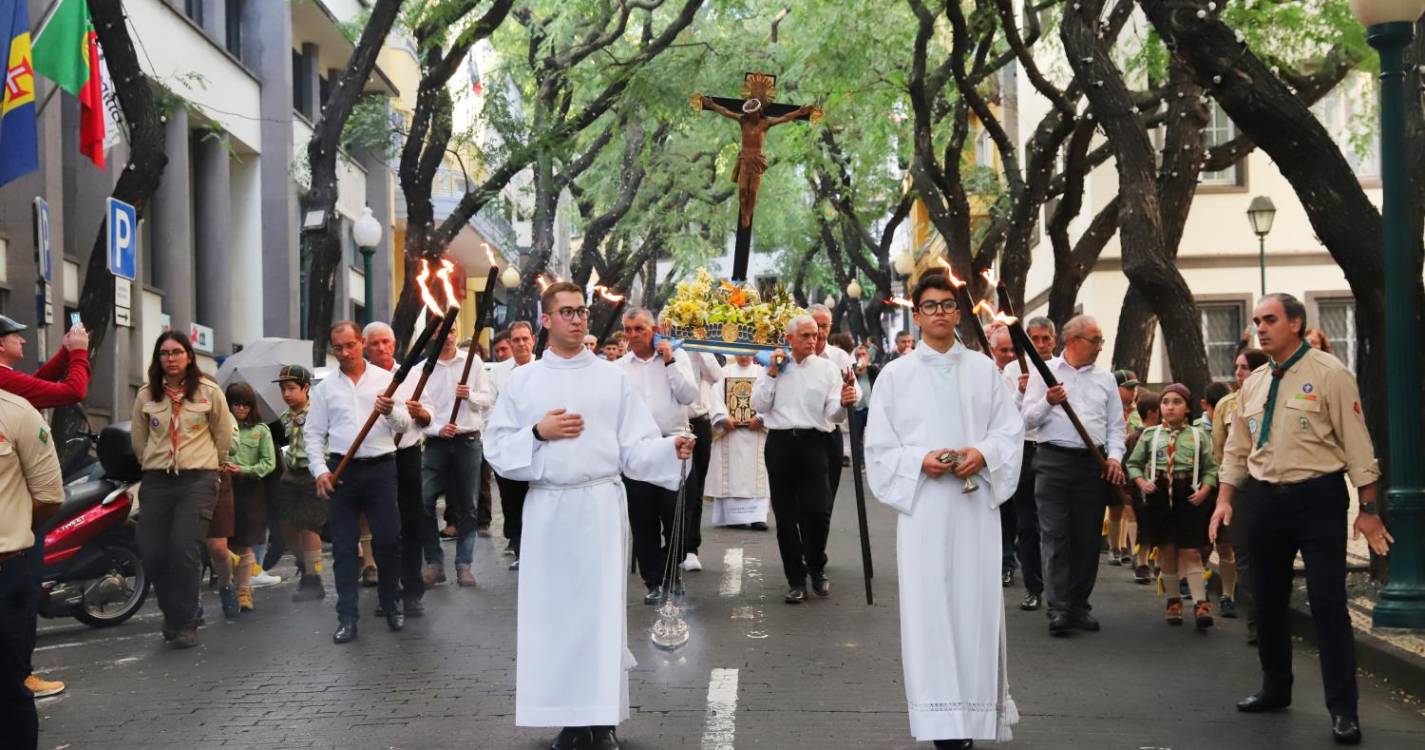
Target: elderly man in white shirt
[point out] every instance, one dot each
(520, 336)
(664, 380)
(797, 397)
(1070, 491)
(451, 465)
(1042, 334)
(340, 405)
(835, 443)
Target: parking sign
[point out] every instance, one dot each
(42, 240)
(123, 238)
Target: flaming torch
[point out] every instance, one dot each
(543, 339)
(1009, 320)
(1021, 340)
(962, 300)
(617, 301)
(480, 318)
(447, 322)
(900, 302)
(439, 323)
(1006, 310)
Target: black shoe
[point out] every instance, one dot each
(395, 621)
(198, 619)
(1228, 607)
(345, 632)
(954, 744)
(796, 595)
(654, 596)
(573, 738)
(1142, 576)
(1262, 702)
(1007, 579)
(515, 565)
(820, 584)
(605, 738)
(758, 526)
(1031, 602)
(380, 610)
(310, 589)
(1059, 623)
(413, 607)
(1346, 730)
(1087, 622)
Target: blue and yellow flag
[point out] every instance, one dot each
(19, 139)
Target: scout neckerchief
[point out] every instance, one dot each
(1278, 372)
(175, 395)
(1172, 449)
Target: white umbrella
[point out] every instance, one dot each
(258, 364)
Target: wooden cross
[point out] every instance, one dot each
(756, 114)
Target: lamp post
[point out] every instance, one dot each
(1261, 212)
(1390, 24)
(367, 234)
(904, 265)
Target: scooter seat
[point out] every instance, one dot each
(79, 498)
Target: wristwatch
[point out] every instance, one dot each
(1368, 508)
(537, 436)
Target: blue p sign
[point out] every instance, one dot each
(123, 238)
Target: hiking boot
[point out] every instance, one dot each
(463, 577)
(1202, 612)
(1228, 606)
(244, 598)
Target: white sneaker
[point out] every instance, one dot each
(691, 562)
(265, 579)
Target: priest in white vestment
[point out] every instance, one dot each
(737, 472)
(940, 398)
(569, 424)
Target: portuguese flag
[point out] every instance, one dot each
(66, 51)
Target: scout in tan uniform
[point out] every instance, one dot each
(1234, 543)
(1298, 435)
(181, 429)
(30, 492)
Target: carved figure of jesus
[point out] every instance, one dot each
(751, 161)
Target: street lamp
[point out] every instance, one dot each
(1261, 212)
(510, 277)
(853, 290)
(367, 234)
(904, 265)
(1390, 24)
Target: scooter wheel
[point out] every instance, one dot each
(105, 612)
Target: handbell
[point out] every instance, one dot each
(953, 458)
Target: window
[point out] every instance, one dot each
(4, 301)
(984, 150)
(1352, 124)
(1220, 129)
(1337, 318)
(1221, 332)
(300, 83)
(232, 34)
(358, 313)
(194, 10)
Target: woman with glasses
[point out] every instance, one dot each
(181, 432)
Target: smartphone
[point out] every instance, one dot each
(74, 320)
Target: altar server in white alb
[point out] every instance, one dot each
(737, 471)
(943, 399)
(569, 424)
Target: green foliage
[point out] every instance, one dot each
(372, 127)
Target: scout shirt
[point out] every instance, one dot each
(252, 451)
(294, 454)
(204, 430)
(1317, 427)
(1150, 454)
(1222, 424)
(29, 471)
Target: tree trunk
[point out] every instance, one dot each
(321, 245)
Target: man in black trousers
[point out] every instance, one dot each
(1026, 511)
(1298, 436)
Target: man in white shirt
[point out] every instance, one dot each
(340, 405)
(1070, 490)
(708, 373)
(835, 444)
(1002, 352)
(380, 349)
(797, 397)
(451, 464)
(664, 381)
(520, 338)
(1042, 334)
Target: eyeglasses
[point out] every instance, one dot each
(1096, 341)
(171, 353)
(931, 307)
(570, 313)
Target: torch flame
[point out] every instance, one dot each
(949, 272)
(901, 301)
(423, 284)
(608, 294)
(1008, 320)
(988, 277)
(543, 283)
(446, 269)
(489, 255)
(983, 306)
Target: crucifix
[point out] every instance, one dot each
(756, 114)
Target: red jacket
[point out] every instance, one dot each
(62, 381)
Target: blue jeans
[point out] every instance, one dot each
(367, 487)
(451, 466)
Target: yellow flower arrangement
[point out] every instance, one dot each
(735, 313)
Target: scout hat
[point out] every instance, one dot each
(1126, 378)
(9, 326)
(294, 374)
